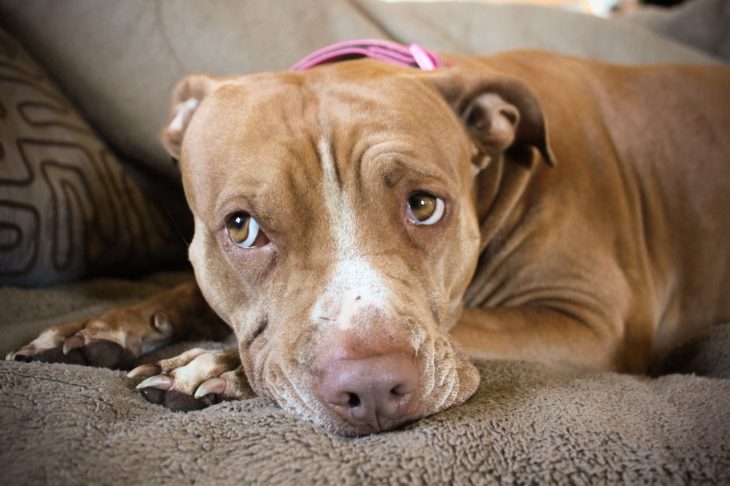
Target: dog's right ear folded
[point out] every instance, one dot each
(186, 98)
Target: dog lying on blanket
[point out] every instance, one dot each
(365, 226)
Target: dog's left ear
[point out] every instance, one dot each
(186, 98)
(500, 112)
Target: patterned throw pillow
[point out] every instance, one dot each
(67, 208)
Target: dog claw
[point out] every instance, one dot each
(160, 382)
(17, 356)
(146, 370)
(72, 343)
(162, 323)
(214, 386)
(195, 379)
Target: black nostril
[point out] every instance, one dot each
(353, 400)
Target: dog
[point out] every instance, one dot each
(366, 229)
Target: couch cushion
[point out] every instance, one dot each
(120, 60)
(702, 24)
(475, 28)
(123, 58)
(67, 207)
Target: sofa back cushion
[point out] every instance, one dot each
(68, 208)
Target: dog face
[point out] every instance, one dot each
(336, 231)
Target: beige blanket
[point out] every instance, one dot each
(68, 424)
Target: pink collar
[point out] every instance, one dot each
(392, 52)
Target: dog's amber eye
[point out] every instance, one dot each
(245, 231)
(425, 209)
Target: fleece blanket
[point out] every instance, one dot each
(63, 424)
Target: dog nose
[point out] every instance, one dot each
(373, 394)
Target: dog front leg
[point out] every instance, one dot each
(546, 335)
(116, 338)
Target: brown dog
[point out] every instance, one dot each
(361, 227)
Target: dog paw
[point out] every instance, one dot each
(193, 380)
(114, 339)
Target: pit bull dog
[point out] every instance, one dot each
(365, 228)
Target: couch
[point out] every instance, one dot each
(104, 72)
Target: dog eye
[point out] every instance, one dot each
(425, 209)
(245, 231)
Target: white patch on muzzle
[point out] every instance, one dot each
(356, 291)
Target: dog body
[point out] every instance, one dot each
(362, 227)
(627, 234)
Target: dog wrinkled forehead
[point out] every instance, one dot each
(363, 103)
(366, 89)
(442, 107)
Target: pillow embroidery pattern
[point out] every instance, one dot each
(67, 208)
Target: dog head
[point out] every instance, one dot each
(336, 227)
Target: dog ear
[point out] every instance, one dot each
(500, 112)
(187, 96)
